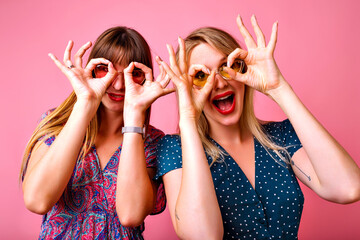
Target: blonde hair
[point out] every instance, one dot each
(225, 43)
(117, 44)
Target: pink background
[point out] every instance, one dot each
(318, 52)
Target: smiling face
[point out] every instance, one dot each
(225, 103)
(121, 45)
(113, 98)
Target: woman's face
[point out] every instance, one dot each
(113, 98)
(225, 103)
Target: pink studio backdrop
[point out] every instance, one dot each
(318, 52)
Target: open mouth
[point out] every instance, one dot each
(115, 97)
(224, 103)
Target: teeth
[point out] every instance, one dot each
(223, 98)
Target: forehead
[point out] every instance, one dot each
(206, 55)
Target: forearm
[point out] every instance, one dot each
(197, 213)
(135, 195)
(336, 172)
(50, 168)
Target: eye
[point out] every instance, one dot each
(102, 68)
(137, 73)
(238, 65)
(200, 75)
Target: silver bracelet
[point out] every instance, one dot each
(129, 129)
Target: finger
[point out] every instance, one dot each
(109, 77)
(78, 56)
(194, 68)
(237, 53)
(172, 59)
(259, 34)
(173, 77)
(182, 56)
(59, 64)
(163, 78)
(273, 38)
(209, 84)
(241, 77)
(249, 41)
(128, 74)
(96, 61)
(67, 54)
(148, 71)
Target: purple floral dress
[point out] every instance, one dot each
(86, 210)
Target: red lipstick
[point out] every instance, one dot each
(116, 97)
(224, 103)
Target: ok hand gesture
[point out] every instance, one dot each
(85, 86)
(262, 72)
(140, 95)
(191, 99)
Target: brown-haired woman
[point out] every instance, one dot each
(89, 164)
(244, 186)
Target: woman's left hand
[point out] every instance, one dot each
(139, 97)
(262, 72)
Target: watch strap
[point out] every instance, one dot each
(130, 129)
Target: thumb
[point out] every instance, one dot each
(110, 76)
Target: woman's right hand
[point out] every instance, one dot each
(85, 86)
(191, 99)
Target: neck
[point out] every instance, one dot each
(229, 135)
(110, 122)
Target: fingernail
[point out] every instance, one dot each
(240, 19)
(208, 71)
(228, 63)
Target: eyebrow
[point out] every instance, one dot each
(222, 60)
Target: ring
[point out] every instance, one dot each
(71, 66)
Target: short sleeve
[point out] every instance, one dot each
(151, 141)
(169, 155)
(292, 142)
(48, 140)
(283, 134)
(152, 138)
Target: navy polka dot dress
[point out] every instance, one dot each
(270, 211)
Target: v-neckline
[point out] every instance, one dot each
(107, 163)
(237, 165)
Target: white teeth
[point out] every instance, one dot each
(223, 98)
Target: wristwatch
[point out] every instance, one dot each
(139, 130)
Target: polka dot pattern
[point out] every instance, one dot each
(270, 211)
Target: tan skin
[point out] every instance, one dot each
(50, 168)
(190, 191)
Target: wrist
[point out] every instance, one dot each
(277, 92)
(134, 130)
(86, 108)
(187, 122)
(134, 117)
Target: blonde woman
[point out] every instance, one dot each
(89, 165)
(244, 185)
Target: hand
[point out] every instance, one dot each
(262, 72)
(140, 97)
(85, 86)
(191, 99)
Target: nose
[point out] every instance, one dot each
(220, 82)
(119, 82)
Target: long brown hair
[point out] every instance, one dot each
(119, 45)
(225, 43)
